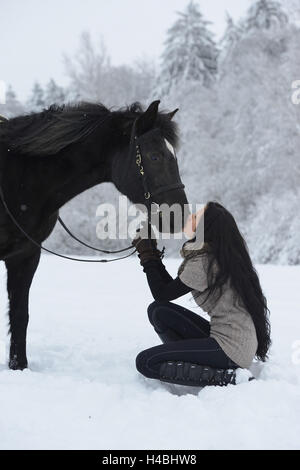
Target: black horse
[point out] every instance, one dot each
(47, 158)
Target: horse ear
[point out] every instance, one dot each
(172, 114)
(146, 121)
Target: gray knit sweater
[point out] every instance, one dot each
(231, 324)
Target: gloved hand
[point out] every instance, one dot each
(147, 247)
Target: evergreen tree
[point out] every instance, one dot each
(54, 93)
(12, 107)
(190, 51)
(10, 96)
(264, 14)
(37, 100)
(232, 35)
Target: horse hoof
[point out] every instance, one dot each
(17, 364)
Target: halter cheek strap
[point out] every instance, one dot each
(138, 161)
(148, 194)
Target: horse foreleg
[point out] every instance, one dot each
(20, 272)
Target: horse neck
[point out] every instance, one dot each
(70, 173)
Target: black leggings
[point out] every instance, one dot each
(186, 338)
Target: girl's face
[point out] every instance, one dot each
(192, 223)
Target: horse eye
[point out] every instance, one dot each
(153, 157)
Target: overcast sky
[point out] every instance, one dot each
(34, 34)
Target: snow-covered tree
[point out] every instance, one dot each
(190, 52)
(54, 93)
(87, 70)
(292, 7)
(93, 78)
(232, 35)
(37, 98)
(264, 14)
(240, 142)
(12, 106)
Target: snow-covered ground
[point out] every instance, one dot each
(87, 324)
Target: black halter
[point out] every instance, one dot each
(148, 193)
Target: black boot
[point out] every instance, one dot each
(187, 373)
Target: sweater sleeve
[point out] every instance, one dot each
(163, 287)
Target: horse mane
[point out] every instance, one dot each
(54, 128)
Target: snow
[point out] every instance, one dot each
(82, 391)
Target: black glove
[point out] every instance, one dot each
(147, 247)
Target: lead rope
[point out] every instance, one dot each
(50, 251)
(90, 246)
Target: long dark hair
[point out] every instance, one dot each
(226, 244)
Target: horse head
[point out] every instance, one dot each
(148, 173)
